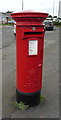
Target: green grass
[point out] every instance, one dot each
(6, 24)
(58, 25)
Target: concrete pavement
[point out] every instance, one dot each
(0, 72)
(60, 72)
(8, 71)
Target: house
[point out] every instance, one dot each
(59, 12)
(4, 17)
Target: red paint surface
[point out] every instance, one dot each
(29, 68)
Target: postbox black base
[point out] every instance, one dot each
(31, 99)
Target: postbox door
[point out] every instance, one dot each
(35, 57)
(29, 64)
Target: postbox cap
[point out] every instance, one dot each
(29, 15)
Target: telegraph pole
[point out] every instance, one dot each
(53, 7)
(22, 4)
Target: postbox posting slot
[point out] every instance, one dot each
(32, 33)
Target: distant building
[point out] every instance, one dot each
(4, 17)
(59, 12)
(0, 17)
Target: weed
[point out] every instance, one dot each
(20, 105)
(42, 99)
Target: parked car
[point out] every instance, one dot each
(14, 29)
(11, 22)
(59, 20)
(48, 24)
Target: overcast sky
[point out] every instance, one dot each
(36, 5)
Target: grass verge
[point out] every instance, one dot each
(6, 24)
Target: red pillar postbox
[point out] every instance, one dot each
(29, 55)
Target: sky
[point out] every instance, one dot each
(35, 5)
